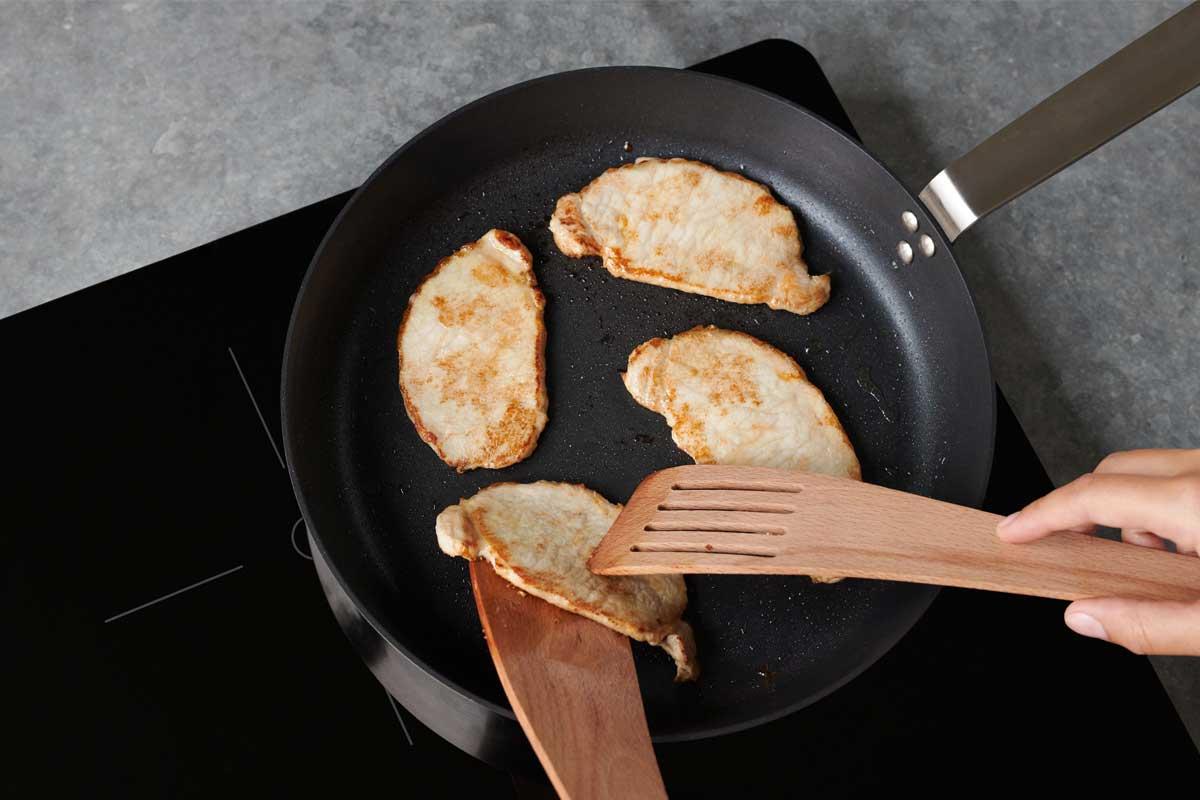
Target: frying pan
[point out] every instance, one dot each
(898, 351)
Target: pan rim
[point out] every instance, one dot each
(871, 656)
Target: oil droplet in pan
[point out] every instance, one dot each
(865, 383)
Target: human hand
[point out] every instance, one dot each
(1153, 496)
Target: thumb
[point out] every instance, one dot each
(1149, 627)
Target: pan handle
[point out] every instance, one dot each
(1113, 96)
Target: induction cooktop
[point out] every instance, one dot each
(166, 636)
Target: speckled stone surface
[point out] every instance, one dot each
(130, 131)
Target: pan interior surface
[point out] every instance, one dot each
(897, 351)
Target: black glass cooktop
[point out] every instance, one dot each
(165, 635)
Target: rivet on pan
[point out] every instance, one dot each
(910, 221)
(926, 245)
(904, 250)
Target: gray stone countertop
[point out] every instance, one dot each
(133, 130)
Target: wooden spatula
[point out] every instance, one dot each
(770, 521)
(572, 685)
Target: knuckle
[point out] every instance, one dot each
(1111, 462)
(1085, 482)
(1077, 495)
(1188, 492)
(1137, 637)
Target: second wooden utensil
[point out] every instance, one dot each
(718, 519)
(573, 687)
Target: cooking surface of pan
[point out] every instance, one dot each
(898, 352)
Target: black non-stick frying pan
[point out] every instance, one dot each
(898, 351)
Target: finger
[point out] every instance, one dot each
(1088, 529)
(1142, 626)
(1168, 506)
(1164, 463)
(1143, 538)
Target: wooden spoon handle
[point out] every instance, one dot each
(756, 520)
(1064, 565)
(891, 534)
(573, 687)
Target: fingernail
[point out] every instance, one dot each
(1086, 625)
(1004, 523)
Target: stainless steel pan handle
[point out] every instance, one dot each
(1115, 95)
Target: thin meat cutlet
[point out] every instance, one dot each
(687, 225)
(539, 536)
(472, 355)
(732, 399)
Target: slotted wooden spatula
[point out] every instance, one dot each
(573, 687)
(755, 520)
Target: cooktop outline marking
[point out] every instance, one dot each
(396, 708)
(295, 546)
(257, 410)
(189, 587)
